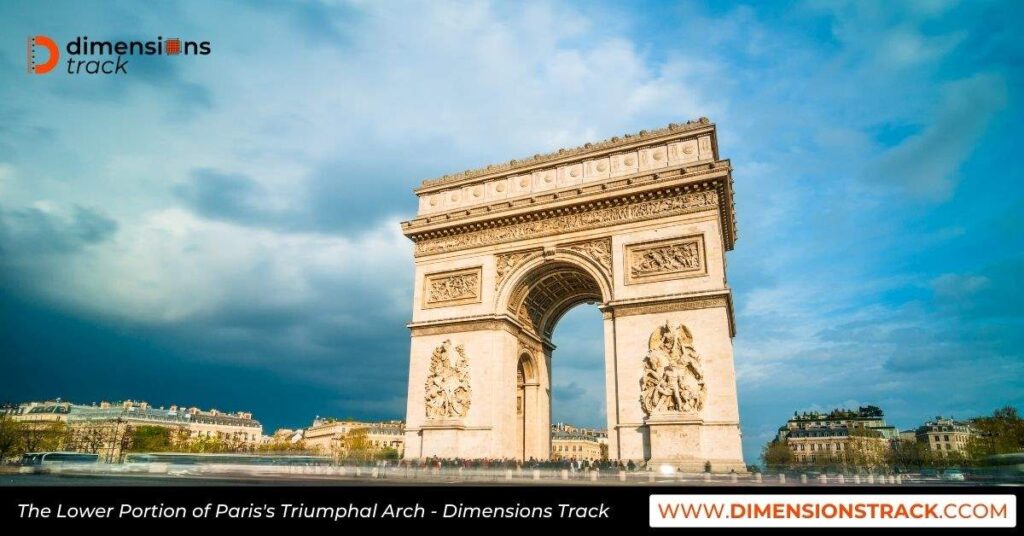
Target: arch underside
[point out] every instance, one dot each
(547, 294)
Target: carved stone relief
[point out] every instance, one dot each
(673, 377)
(665, 259)
(447, 388)
(506, 263)
(452, 288)
(566, 223)
(600, 250)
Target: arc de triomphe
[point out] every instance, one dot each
(638, 225)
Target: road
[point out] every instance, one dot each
(312, 480)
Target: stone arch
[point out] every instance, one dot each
(527, 366)
(638, 225)
(547, 284)
(531, 427)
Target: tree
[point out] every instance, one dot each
(776, 453)
(10, 437)
(283, 445)
(356, 444)
(91, 437)
(865, 448)
(44, 436)
(151, 439)
(209, 445)
(1001, 433)
(909, 453)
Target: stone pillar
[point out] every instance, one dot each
(611, 374)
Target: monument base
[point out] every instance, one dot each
(679, 440)
(441, 438)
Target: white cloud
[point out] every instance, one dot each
(927, 164)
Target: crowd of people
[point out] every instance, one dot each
(513, 463)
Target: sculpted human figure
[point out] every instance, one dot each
(673, 379)
(447, 385)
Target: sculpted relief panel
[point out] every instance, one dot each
(673, 377)
(600, 250)
(452, 288)
(447, 388)
(506, 263)
(566, 223)
(665, 259)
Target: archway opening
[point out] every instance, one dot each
(578, 394)
(539, 301)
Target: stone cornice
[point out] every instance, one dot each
(694, 172)
(646, 200)
(588, 149)
(676, 302)
(462, 324)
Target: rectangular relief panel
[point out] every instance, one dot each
(457, 287)
(660, 260)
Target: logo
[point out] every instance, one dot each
(85, 56)
(52, 54)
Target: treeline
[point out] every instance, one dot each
(112, 440)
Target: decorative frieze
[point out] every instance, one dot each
(448, 392)
(660, 260)
(457, 287)
(590, 218)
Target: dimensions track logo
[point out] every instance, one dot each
(85, 56)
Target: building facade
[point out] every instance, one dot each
(945, 437)
(577, 447)
(853, 436)
(327, 436)
(106, 428)
(570, 442)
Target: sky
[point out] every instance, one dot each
(223, 230)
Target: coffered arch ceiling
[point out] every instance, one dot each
(544, 295)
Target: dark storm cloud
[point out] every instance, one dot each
(32, 230)
(348, 196)
(128, 363)
(224, 196)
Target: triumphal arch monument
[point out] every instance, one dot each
(638, 225)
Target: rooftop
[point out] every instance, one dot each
(863, 412)
(139, 411)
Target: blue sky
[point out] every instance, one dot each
(210, 230)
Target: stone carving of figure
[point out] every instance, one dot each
(447, 386)
(673, 378)
(454, 288)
